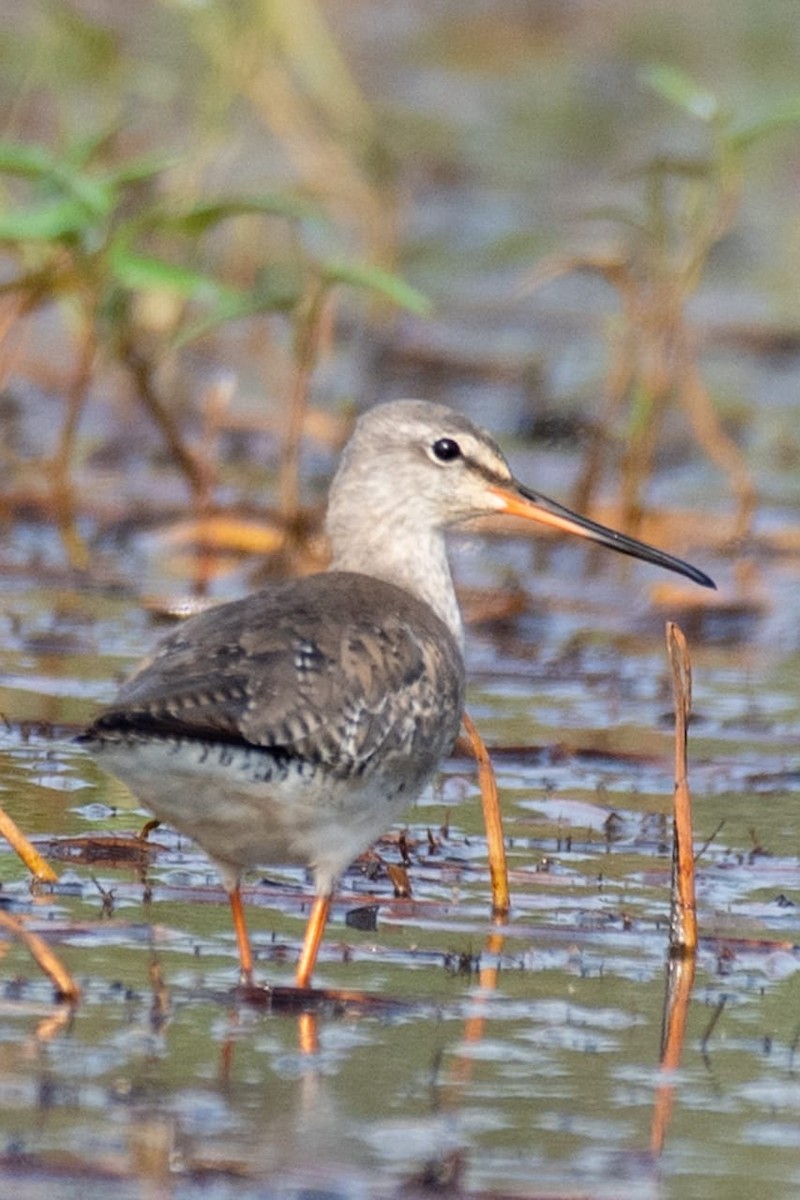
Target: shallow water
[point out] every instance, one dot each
(546, 1083)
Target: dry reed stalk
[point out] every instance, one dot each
(33, 860)
(45, 958)
(683, 916)
(498, 868)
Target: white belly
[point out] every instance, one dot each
(244, 811)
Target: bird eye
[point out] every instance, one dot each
(446, 450)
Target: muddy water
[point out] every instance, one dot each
(167, 1083)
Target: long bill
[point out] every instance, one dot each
(520, 502)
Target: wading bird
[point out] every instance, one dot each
(297, 724)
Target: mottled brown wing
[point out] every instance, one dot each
(334, 669)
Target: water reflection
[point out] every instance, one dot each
(542, 1066)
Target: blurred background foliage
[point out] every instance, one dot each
(213, 213)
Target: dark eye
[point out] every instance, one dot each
(445, 449)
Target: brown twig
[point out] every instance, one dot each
(683, 914)
(683, 917)
(44, 957)
(194, 470)
(714, 440)
(493, 820)
(33, 860)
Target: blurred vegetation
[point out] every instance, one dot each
(141, 262)
(185, 186)
(689, 204)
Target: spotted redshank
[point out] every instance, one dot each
(295, 725)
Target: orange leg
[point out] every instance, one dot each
(498, 869)
(242, 936)
(313, 940)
